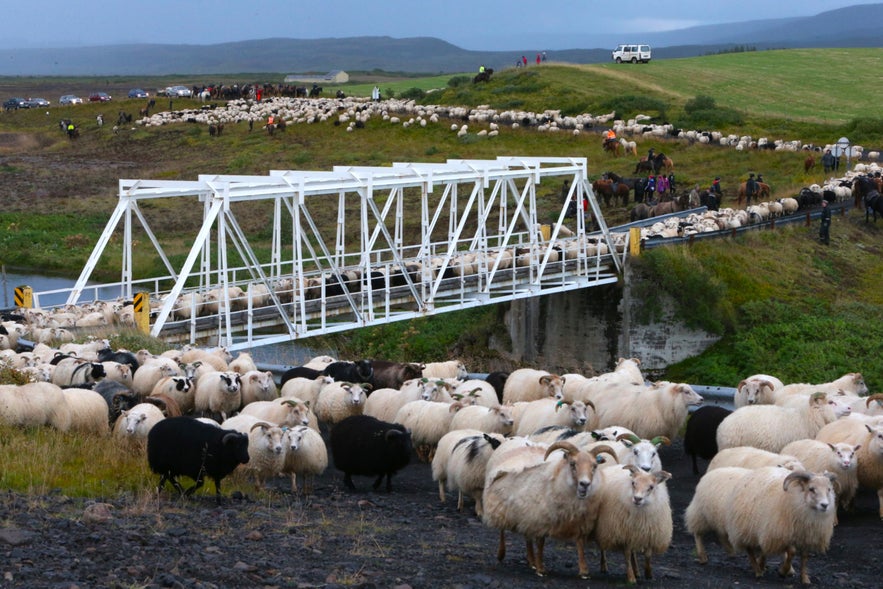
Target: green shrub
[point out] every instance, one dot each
(457, 81)
(412, 94)
(630, 105)
(700, 103)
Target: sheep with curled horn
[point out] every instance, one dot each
(537, 493)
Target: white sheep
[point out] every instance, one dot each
(266, 451)
(34, 404)
(151, 372)
(710, 506)
(460, 463)
(852, 383)
(219, 393)
(75, 371)
(242, 363)
(258, 386)
(538, 492)
(750, 457)
(287, 411)
(649, 411)
(117, 372)
(217, 358)
(528, 384)
(307, 456)
(759, 389)
(771, 427)
(634, 516)
(536, 415)
(450, 369)
(427, 421)
(179, 388)
(88, 411)
(132, 426)
(774, 511)
(305, 389)
(481, 391)
(384, 404)
(340, 400)
(491, 420)
(839, 458)
(319, 362)
(858, 432)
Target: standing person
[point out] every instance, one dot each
(825, 227)
(524, 60)
(828, 161)
(538, 58)
(694, 197)
(258, 93)
(671, 183)
(661, 185)
(649, 188)
(750, 188)
(716, 187)
(544, 56)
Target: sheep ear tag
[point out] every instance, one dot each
(558, 405)
(600, 459)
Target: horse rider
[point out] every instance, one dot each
(610, 137)
(750, 188)
(650, 154)
(481, 69)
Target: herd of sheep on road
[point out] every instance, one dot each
(568, 457)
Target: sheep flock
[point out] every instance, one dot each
(591, 450)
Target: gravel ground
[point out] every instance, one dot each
(335, 538)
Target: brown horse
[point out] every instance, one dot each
(611, 191)
(681, 203)
(763, 191)
(611, 147)
(863, 186)
(809, 163)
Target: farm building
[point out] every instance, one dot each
(333, 77)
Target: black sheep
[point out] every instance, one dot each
(118, 397)
(700, 436)
(183, 446)
(364, 445)
(120, 357)
(497, 380)
(392, 375)
(299, 372)
(354, 372)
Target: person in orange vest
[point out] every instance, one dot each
(610, 136)
(270, 120)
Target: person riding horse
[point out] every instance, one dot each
(609, 139)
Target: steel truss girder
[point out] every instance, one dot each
(436, 215)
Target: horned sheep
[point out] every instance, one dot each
(774, 511)
(759, 389)
(305, 389)
(771, 427)
(540, 491)
(840, 458)
(287, 411)
(535, 415)
(528, 384)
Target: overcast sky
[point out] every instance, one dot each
(469, 24)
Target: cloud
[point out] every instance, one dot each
(656, 25)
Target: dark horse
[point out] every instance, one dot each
(654, 164)
(484, 76)
(863, 186)
(636, 184)
(611, 191)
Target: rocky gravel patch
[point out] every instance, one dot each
(336, 538)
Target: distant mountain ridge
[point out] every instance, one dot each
(854, 26)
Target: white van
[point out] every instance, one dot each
(634, 53)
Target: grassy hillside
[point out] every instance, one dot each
(784, 304)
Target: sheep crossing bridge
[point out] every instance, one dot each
(352, 247)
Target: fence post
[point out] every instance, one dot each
(141, 306)
(24, 297)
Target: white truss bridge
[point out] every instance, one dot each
(353, 247)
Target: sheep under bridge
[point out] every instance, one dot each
(354, 246)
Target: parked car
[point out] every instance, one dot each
(14, 104)
(37, 102)
(70, 99)
(633, 53)
(138, 93)
(99, 97)
(179, 91)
